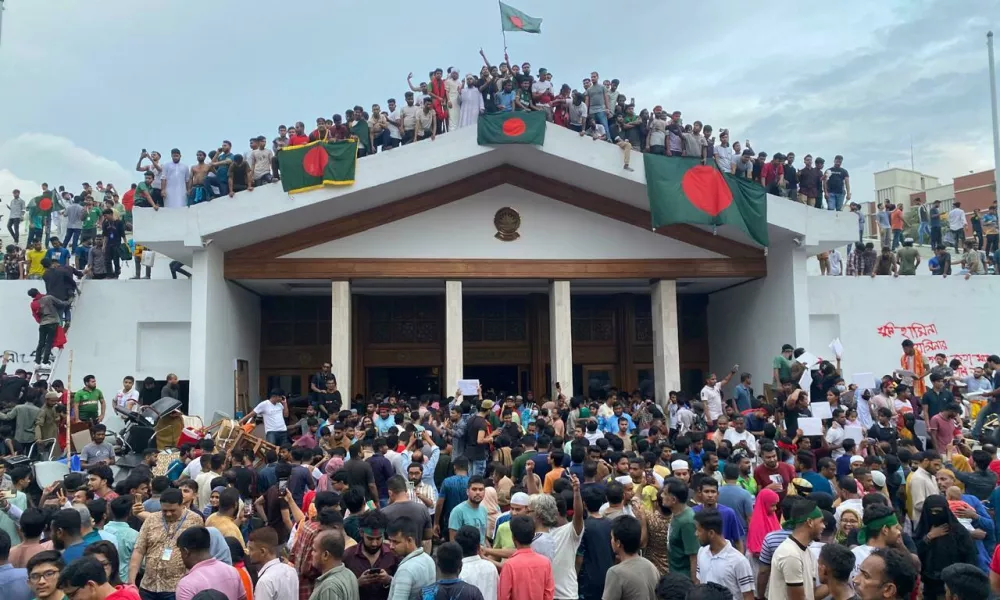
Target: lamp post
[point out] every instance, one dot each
(993, 110)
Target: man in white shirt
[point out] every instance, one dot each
(276, 580)
(718, 561)
(836, 263)
(956, 223)
(835, 434)
(260, 160)
(128, 396)
(275, 411)
(724, 153)
(476, 570)
(393, 125)
(711, 395)
(740, 438)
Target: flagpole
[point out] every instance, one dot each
(502, 31)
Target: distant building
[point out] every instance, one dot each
(973, 191)
(897, 186)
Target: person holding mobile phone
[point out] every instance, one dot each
(372, 560)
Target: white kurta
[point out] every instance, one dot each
(177, 176)
(452, 87)
(471, 104)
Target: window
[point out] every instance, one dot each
(414, 320)
(295, 320)
(593, 319)
(494, 319)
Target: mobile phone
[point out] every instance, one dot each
(373, 571)
(282, 485)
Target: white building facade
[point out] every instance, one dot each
(523, 267)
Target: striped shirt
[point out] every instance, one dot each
(728, 568)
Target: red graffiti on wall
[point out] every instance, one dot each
(913, 330)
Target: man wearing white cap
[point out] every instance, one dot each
(681, 470)
(503, 541)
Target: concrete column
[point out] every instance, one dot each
(561, 337)
(454, 363)
(666, 348)
(340, 338)
(211, 368)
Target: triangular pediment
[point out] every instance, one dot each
(538, 200)
(506, 223)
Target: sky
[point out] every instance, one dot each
(88, 85)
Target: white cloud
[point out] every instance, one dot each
(9, 182)
(33, 158)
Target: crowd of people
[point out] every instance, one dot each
(445, 102)
(897, 255)
(720, 494)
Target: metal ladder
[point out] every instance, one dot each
(42, 372)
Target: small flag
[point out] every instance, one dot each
(514, 20)
(682, 190)
(526, 127)
(313, 165)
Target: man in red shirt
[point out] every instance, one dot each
(772, 176)
(773, 475)
(943, 429)
(526, 575)
(298, 136)
(897, 223)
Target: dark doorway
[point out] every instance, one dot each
(501, 379)
(408, 381)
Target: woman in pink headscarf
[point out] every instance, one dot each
(332, 466)
(763, 521)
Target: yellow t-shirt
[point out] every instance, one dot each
(34, 258)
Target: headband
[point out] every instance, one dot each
(876, 525)
(793, 523)
(371, 532)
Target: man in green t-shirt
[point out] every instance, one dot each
(909, 258)
(782, 364)
(91, 216)
(682, 541)
(88, 403)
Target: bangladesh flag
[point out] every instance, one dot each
(512, 128)
(682, 190)
(514, 20)
(313, 165)
(44, 204)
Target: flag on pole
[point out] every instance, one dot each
(514, 20)
(44, 204)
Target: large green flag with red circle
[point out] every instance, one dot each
(316, 164)
(682, 190)
(44, 204)
(512, 19)
(526, 127)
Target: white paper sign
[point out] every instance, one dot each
(837, 348)
(808, 358)
(864, 381)
(811, 425)
(821, 410)
(468, 387)
(854, 433)
(806, 380)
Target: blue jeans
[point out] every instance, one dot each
(213, 180)
(276, 437)
(897, 238)
(602, 118)
(924, 228)
(478, 467)
(991, 408)
(72, 234)
(834, 201)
